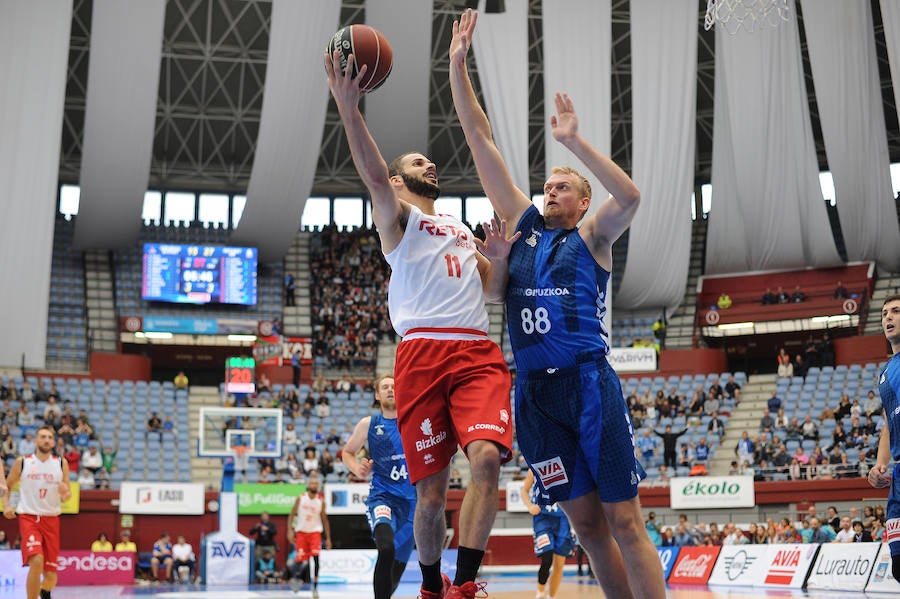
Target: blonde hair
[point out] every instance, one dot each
(583, 183)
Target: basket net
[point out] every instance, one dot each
(747, 14)
(241, 459)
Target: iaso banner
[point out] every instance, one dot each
(78, 568)
(694, 565)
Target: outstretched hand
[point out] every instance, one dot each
(496, 245)
(564, 124)
(879, 476)
(463, 30)
(343, 85)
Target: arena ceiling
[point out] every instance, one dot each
(212, 82)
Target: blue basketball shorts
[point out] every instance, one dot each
(575, 432)
(384, 508)
(552, 533)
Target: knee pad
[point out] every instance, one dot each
(544, 570)
(895, 567)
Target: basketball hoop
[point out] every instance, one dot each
(241, 459)
(749, 14)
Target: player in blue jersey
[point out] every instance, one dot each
(882, 475)
(392, 500)
(554, 540)
(572, 422)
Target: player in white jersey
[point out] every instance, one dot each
(44, 486)
(309, 520)
(452, 381)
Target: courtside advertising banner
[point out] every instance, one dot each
(739, 565)
(882, 581)
(667, 556)
(693, 565)
(227, 559)
(346, 498)
(786, 566)
(275, 499)
(843, 566)
(78, 568)
(514, 501)
(161, 498)
(347, 566)
(704, 492)
(12, 574)
(632, 359)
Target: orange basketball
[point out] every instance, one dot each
(369, 47)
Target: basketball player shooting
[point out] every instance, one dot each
(452, 381)
(44, 486)
(559, 340)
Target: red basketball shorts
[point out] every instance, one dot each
(40, 536)
(449, 393)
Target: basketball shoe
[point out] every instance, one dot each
(423, 594)
(466, 590)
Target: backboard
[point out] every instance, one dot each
(223, 429)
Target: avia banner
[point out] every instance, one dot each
(705, 492)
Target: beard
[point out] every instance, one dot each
(421, 187)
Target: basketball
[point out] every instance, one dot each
(369, 47)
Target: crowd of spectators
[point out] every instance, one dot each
(810, 528)
(348, 294)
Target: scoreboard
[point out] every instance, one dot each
(199, 274)
(240, 375)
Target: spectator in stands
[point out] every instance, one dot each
(686, 456)
(154, 425)
(102, 544)
(785, 366)
(762, 451)
(826, 350)
(811, 353)
(52, 413)
(819, 532)
(716, 425)
(872, 405)
(744, 449)
(26, 445)
(289, 290)
(26, 393)
(793, 431)
(781, 421)
(91, 460)
(713, 404)
(296, 368)
(698, 402)
(310, 461)
(659, 331)
(25, 418)
(126, 544)
(798, 296)
(780, 459)
(323, 408)
(289, 440)
(168, 427)
(732, 389)
(86, 479)
(682, 537)
(844, 534)
(183, 560)
(767, 422)
(782, 295)
(769, 298)
(838, 439)
(877, 530)
(181, 380)
(774, 403)
(334, 437)
(702, 450)
(809, 429)
(669, 440)
(843, 409)
(724, 302)
(455, 479)
(8, 450)
(860, 534)
(646, 447)
(653, 529)
(319, 435)
(266, 571)
(326, 463)
(800, 367)
(840, 292)
(83, 434)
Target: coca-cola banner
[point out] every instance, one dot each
(694, 565)
(77, 568)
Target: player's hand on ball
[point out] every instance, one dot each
(879, 476)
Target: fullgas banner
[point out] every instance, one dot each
(346, 498)
(882, 581)
(275, 499)
(78, 568)
(739, 565)
(787, 565)
(161, 498)
(694, 565)
(703, 492)
(843, 566)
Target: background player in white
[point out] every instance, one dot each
(452, 380)
(571, 419)
(44, 481)
(392, 500)
(882, 475)
(309, 520)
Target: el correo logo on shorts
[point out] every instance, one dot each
(551, 472)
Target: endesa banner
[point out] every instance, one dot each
(161, 498)
(843, 566)
(882, 581)
(346, 498)
(694, 565)
(78, 568)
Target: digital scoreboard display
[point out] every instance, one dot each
(240, 375)
(199, 274)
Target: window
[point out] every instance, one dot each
(316, 213)
(348, 212)
(180, 207)
(213, 209)
(479, 210)
(69, 200)
(151, 213)
(237, 209)
(450, 205)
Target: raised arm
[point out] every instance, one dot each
(356, 441)
(614, 215)
(508, 201)
(493, 260)
(387, 209)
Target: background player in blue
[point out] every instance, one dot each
(572, 422)
(882, 475)
(554, 541)
(392, 500)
